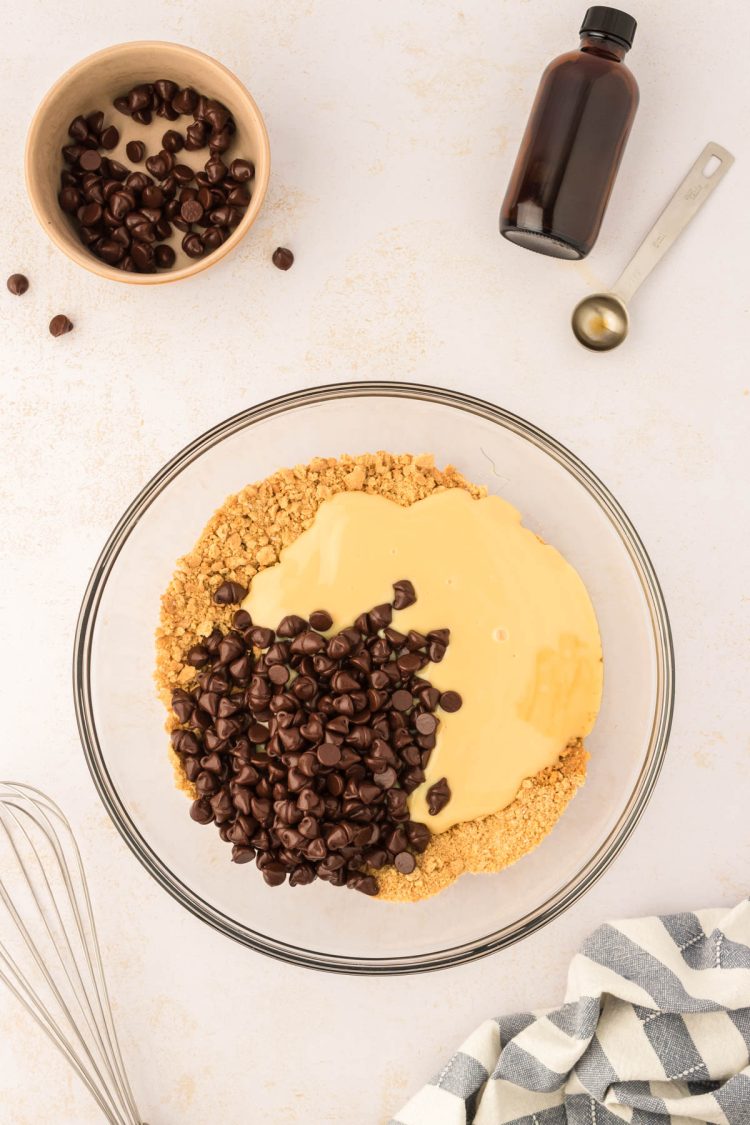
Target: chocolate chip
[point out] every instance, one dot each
(220, 142)
(429, 697)
(260, 635)
(192, 212)
(161, 164)
(116, 170)
(396, 840)
(197, 656)
(242, 620)
(152, 197)
(172, 141)
(90, 160)
(215, 170)
(282, 258)
(321, 620)
(278, 674)
(196, 136)
(165, 257)
(405, 863)
(426, 723)
(229, 593)
(79, 128)
(110, 137)
(143, 253)
(301, 875)
(140, 98)
(242, 170)
(217, 116)
(110, 251)
(137, 181)
(418, 835)
(212, 238)
(381, 616)
(451, 701)
(71, 153)
(403, 594)
(60, 325)
(185, 101)
(328, 754)
(181, 172)
(95, 121)
(90, 214)
(368, 792)
(165, 89)
(438, 796)
(18, 284)
(238, 196)
(221, 216)
(192, 244)
(408, 663)
(69, 200)
(291, 625)
(397, 804)
(402, 700)
(366, 884)
(200, 811)
(274, 874)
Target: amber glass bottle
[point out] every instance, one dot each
(574, 141)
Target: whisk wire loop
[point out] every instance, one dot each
(49, 951)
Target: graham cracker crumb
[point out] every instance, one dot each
(245, 536)
(495, 841)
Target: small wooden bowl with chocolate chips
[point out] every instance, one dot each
(147, 162)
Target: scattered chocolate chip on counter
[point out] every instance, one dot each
(17, 284)
(304, 748)
(60, 325)
(282, 258)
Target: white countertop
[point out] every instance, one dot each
(393, 128)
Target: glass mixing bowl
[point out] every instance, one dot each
(121, 721)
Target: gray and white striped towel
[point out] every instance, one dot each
(655, 1030)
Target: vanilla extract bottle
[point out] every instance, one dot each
(574, 141)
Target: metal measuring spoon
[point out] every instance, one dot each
(601, 321)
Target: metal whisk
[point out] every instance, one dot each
(49, 953)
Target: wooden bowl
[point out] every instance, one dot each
(93, 84)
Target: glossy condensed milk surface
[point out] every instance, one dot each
(524, 653)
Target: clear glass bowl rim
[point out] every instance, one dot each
(443, 958)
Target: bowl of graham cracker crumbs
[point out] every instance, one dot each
(334, 725)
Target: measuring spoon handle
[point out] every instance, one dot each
(682, 207)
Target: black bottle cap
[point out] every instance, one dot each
(610, 22)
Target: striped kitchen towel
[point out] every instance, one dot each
(655, 1030)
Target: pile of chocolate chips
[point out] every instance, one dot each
(125, 216)
(305, 748)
